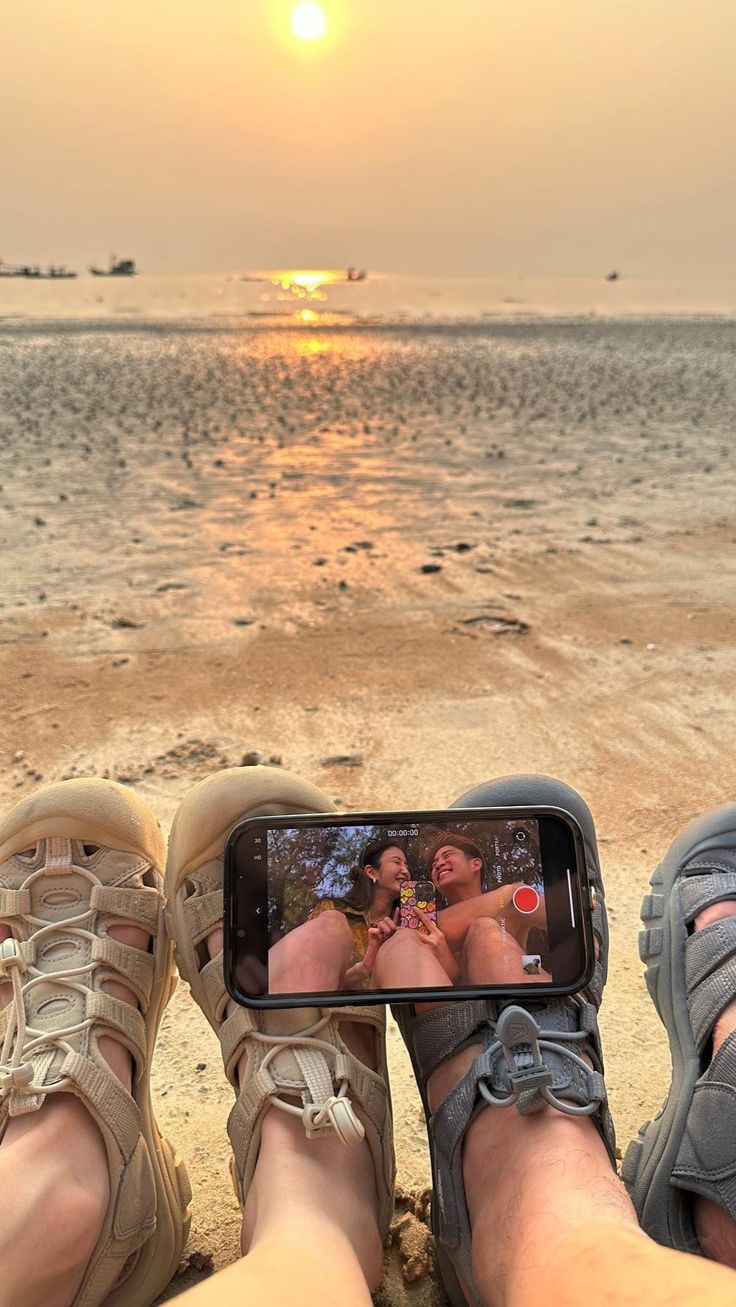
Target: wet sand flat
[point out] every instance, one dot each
(443, 553)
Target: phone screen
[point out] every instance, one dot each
(324, 905)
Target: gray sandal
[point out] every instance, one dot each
(533, 1055)
(690, 1146)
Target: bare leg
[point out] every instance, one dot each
(404, 962)
(492, 956)
(295, 1266)
(312, 958)
(496, 905)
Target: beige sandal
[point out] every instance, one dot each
(76, 858)
(292, 1054)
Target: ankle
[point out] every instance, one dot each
(320, 1189)
(716, 1231)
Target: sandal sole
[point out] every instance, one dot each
(647, 1166)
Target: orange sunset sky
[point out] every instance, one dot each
(417, 136)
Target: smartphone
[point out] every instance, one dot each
(417, 894)
(519, 870)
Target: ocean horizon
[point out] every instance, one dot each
(318, 299)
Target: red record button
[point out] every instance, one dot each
(526, 899)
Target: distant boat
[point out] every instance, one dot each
(352, 274)
(613, 276)
(117, 268)
(32, 272)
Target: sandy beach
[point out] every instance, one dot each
(437, 554)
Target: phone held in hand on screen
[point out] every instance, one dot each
(415, 897)
(381, 907)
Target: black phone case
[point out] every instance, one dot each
(434, 816)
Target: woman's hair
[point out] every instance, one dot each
(360, 894)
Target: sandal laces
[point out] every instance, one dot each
(521, 1040)
(322, 1109)
(22, 1041)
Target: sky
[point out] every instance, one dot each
(446, 137)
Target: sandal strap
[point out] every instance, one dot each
(369, 1016)
(214, 995)
(132, 967)
(708, 1000)
(113, 1012)
(203, 913)
(707, 882)
(600, 930)
(108, 1098)
(235, 1031)
(706, 1159)
(130, 904)
(438, 1034)
(14, 903)
(238, 1027)
(710, 953)
(708, 949)
(122, 1018)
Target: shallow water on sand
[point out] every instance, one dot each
(255, 464)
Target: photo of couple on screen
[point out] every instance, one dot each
(428, 907)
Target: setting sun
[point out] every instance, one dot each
(308, 22)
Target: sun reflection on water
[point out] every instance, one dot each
(306, 284)
(307, 290)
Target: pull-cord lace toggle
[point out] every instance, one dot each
(527, 1080)
(322, 1109)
